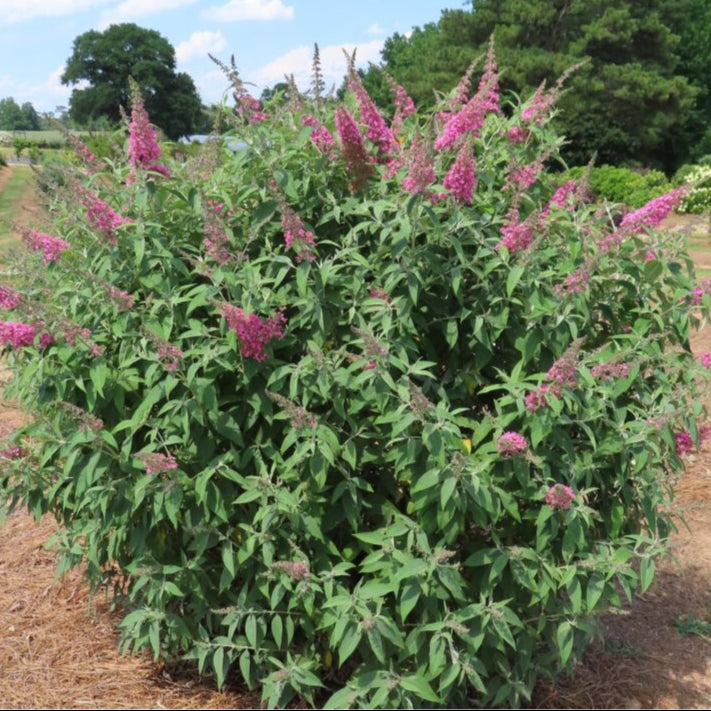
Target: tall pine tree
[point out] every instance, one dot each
(630, 103)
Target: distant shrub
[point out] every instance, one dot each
(698, 198)
(623, 185)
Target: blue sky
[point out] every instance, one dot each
(268, 38)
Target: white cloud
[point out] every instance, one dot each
(238, 10)
(333, 63)
(130, 10)
(375, 29)
(43, 97)
(21, 10)
(199, 44)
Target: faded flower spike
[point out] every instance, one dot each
(560, 497)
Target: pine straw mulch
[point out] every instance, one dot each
(59, 650)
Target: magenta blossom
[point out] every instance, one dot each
(253, 332)
(358, 163)
(560, 496)
(17, 335)
(9, 298)
(461, 178)
(516, 236)
(51, 247)
(156, 462)
(511, 443)
(143, 148)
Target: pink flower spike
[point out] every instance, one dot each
(651, 214)
(357, 160)
(684, 443)
(51, 247)
(516, 236)
(9, 298)
(461, 178)
(253, 332)
(156, 462)
(421, 174)
(143, 148)
(17, 335)
(704, 359)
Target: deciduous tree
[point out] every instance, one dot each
(106, 60)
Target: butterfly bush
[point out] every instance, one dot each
(369, 413)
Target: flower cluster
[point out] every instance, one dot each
(610, 371)
(377, 130)
(646, 217)
(9, 298)
(560, 198)
(295, 234)
(461, 178)
(13, 452)
(250, 108)
(297, 570)
(321, 137)
(253, 332)
(704, 359)
(421, 173)
(511, 443)
(516, 134)
(167, 353)
(50, 247)
(216, 238)
(123, 300)
(353, 149)
(18, 335)
(143, 148)
(155, 462)
(697, 293)
(516, 236)
(81, 149)
(560, 496)
(404, 105)
(373, 348)
(84, 419)
(299, 417)
(102, 217)
(577, 281)
(470, 118)
(538, 108)
(419, 402)
(684, 442)
(651, 214)
(561, 375)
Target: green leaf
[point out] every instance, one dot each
(596, 587)
(411, 591)
(228, 558)
(349, 642)
(646, 573)
(220, 665)
(250, 631)
(565, 636)
(277, 630)
(418, 685)
(513, 278)
(375, 641)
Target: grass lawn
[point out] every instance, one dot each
(11, 201)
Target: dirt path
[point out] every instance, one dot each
(58, 648)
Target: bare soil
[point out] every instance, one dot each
(58, 647)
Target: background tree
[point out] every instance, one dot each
(14, 117)
(107, 59)
(630, 103)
